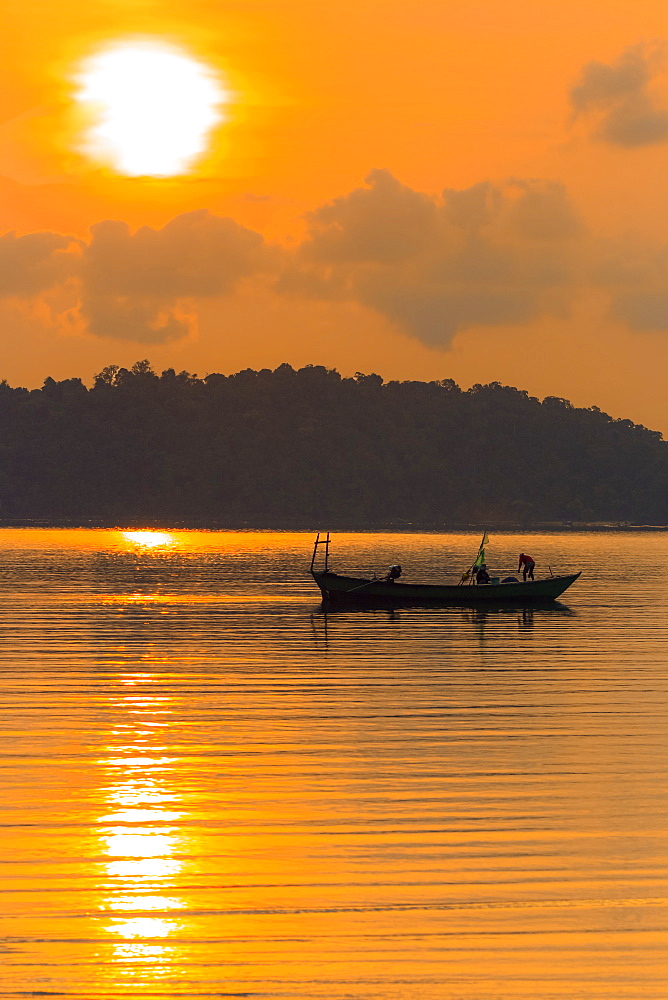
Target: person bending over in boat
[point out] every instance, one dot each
(482, 576)
(526, 564)
(393, 573)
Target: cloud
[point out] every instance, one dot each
(196, 254)
(383, 223)
(647, 311)
(138, 286)
(619, 101)
(438, 264)
(33, 263)
(636, 277)
(431, 264)
(142, 319)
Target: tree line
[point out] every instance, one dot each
(310, 448)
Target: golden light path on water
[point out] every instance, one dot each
(139, 833)
(213, 786)
(150, 539)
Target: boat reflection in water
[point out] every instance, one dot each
(334, 619)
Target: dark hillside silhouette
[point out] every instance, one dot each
(310, 447)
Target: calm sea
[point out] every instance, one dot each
(212, 788)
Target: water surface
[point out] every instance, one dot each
(213, 788)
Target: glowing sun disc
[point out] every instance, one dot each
(153, 107)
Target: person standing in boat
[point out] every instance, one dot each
(527, 565)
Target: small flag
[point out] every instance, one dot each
(480, 558)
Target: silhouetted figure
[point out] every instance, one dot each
(393, 574)
(482, 576)
(526, 564)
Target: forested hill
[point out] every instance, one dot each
(311, 448)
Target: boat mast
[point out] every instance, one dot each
(321, 541)
(479, 560)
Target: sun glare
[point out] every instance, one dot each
(153, 107)
(148, 539)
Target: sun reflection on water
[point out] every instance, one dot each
(140, 952)
(146, 903)
(142, 816)
(147, 869)
(149, 539)
(141, 845)
(142, 927)
(147, 844)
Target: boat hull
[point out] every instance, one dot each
(354, 590)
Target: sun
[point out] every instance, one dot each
(152, 107)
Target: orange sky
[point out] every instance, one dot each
(552, 278)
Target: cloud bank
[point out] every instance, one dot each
(140, 286)
(619, 101)
(433, 265)
(33, 263)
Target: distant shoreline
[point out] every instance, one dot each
(396, 527)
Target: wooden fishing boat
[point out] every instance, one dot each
(358, 590)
